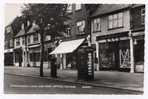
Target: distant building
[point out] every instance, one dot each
(27, 47)
(9, 45)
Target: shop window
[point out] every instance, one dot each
(69, 8)
(81, 27)
(139, 47)
(96, 25)
(17, 56)
(142, 16)
(78, 6)
(115, 20)
(34, 57)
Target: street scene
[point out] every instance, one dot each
(74, 49)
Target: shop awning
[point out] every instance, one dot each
(68, 46)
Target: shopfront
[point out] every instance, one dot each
(114, 52)
(8, 57)
(114, 55)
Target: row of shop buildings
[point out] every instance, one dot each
(115, 32)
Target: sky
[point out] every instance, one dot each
(12, 11)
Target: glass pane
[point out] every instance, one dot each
(120, 23)
(120, 15)
(98, 27)
(110, 24)
(115, 23)
(115, 16)
(110, 17)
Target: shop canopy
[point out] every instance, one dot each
(67, 46)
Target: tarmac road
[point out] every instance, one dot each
(15, 84)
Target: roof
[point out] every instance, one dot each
(20, 33)
(108, 8)
(137, 5)
(33, 28)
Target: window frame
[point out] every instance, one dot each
(79, 27)
(17, 42)
(115, 18)
(78, 7)
(95, 23)
(23, 40)
(142, 16)
(69, 8)
(35, 38)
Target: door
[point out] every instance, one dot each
(124, 54)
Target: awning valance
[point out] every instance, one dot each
(68, 46)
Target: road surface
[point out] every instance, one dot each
(15, 84)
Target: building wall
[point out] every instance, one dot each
(106, 31)
(8, 37)
(136, 15)
(75, 16)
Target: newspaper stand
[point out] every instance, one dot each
(85, 63)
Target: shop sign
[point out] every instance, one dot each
(8, 50)
(89, 63)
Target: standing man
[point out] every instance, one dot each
(53, 67)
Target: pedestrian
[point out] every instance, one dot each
(53, 67)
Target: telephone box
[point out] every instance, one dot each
(85, 64)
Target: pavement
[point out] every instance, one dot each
(110, 79)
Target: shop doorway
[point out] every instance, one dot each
(109, 56)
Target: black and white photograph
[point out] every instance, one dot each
(74, 48)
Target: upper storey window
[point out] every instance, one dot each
(17, 41)
(35, 37)
(115, 20)
(69, 8)
(142, 16)
(78, 6)
(81, 27)
(96, 25)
